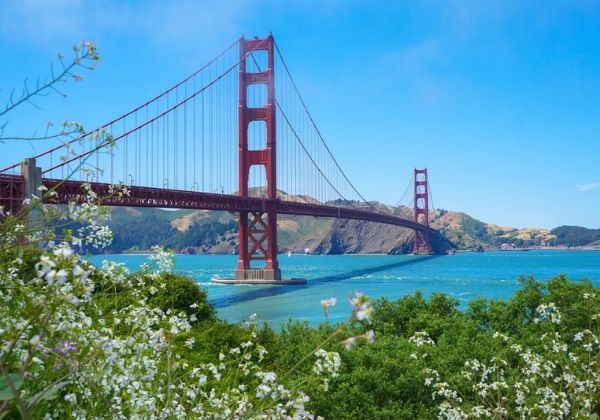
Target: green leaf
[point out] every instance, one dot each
(6, 392)
(83, 353)
(50, 393)
(36, 368)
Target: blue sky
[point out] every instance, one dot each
(499, 99)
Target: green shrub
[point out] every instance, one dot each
(180, 293)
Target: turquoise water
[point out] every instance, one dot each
(464, 276)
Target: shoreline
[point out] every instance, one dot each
(460, 251)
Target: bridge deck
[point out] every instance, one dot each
(71, 191)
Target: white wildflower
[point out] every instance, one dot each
(349, 343)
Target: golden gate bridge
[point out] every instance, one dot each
(221, 139)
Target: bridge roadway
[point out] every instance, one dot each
(71, 191)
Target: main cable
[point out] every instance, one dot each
(164, 113)
(405, 191)
(317, 129)
(299, 140)
(123, 116)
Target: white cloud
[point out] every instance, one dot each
(587, 187)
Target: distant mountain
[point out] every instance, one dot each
(203, 231)
(467, 232)
(576, 236)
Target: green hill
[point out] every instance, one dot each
(203, 231)
(576, 236)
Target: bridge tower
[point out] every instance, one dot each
(421, 203)
(257, 230)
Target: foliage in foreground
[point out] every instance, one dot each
(82, 341)
(76, 340)
(533, 356)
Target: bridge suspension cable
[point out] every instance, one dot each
(432, 205)
(129, 113)
(312, 121)
(410, 183)
(334, 186)
(186, 138)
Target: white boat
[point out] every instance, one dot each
(289, 253)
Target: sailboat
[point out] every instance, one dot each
(289, 253)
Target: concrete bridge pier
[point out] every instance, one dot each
(33, 178)
(32, 181)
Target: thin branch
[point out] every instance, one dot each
(46, 137)
(30, 101)
(45, 390)
(89, 52)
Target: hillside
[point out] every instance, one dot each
(576, 236)
(467, 232)
(202, 231)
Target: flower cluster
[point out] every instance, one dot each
(547, 311)
(558, 381)
(327, 366)
(163, 260)
(361, 307)
(255, 394)
(41, 321)
(361, 313)
(421, 338)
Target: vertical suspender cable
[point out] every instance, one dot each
(210, 135)
(202, 136)
(194, 135)
(185, 155)
(166, 129)
(175, 135)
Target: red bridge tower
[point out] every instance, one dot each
(257, 230)
(421, 203)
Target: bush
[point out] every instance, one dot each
(179, 293)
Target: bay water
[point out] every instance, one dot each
(464, 276)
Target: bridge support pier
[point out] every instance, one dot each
(32, 175)
(32, 181)
(258, 241)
